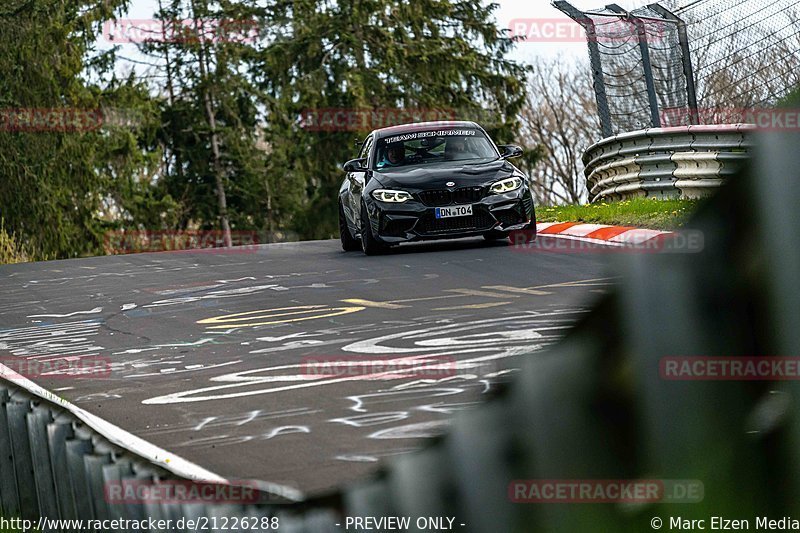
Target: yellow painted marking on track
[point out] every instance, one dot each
(461, 293)
(472, 306)
(428, 298)
(485, 294)
(370, 303)
(578, 283)
(277, 316)
(521, 290)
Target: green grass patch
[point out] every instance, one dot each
(639, 212)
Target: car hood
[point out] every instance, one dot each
(436, 176)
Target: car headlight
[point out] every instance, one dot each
(389, 195)
(507, 185)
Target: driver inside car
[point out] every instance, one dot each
(455, 149)
(394, 156)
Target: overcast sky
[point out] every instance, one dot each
(538, 13)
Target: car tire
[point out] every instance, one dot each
(369, 243)
(349, 244)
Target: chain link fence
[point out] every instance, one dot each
(702, 62)
(746, 53)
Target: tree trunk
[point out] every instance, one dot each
(212, 124)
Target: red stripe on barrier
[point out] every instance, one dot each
(604, 234)
(558, 228)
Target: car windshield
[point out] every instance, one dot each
(434, 146)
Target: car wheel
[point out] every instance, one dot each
(349, 244)
(369, 243)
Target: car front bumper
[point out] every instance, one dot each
(414, 221)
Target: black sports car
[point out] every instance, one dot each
(432, 180)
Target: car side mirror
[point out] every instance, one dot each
(509, 151)
(356, 165)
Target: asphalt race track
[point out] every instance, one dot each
(209, 351)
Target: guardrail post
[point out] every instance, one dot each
(23, 462)
(9, 496)
(94, 476)
(57, 434)
(38, 420)
(76, 449)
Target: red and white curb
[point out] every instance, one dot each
(599, 233)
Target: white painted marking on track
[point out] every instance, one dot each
(413, 431)
(250, 418)
(485, 305)
(89, 312)
(244, 380)
(285, 430)
(371, 419)
(202, 424)
(204, 340)
(357, 458)
(187, 368)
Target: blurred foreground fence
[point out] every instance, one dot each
(679, 162)
(592, 407)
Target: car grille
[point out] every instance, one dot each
(430, 225)
(441, 197)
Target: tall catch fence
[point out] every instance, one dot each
(679, 63)
(746, 54)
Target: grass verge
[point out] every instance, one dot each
(638, 212)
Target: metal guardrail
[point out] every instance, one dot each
(54, 465)
(679, 162)
(591, 407)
